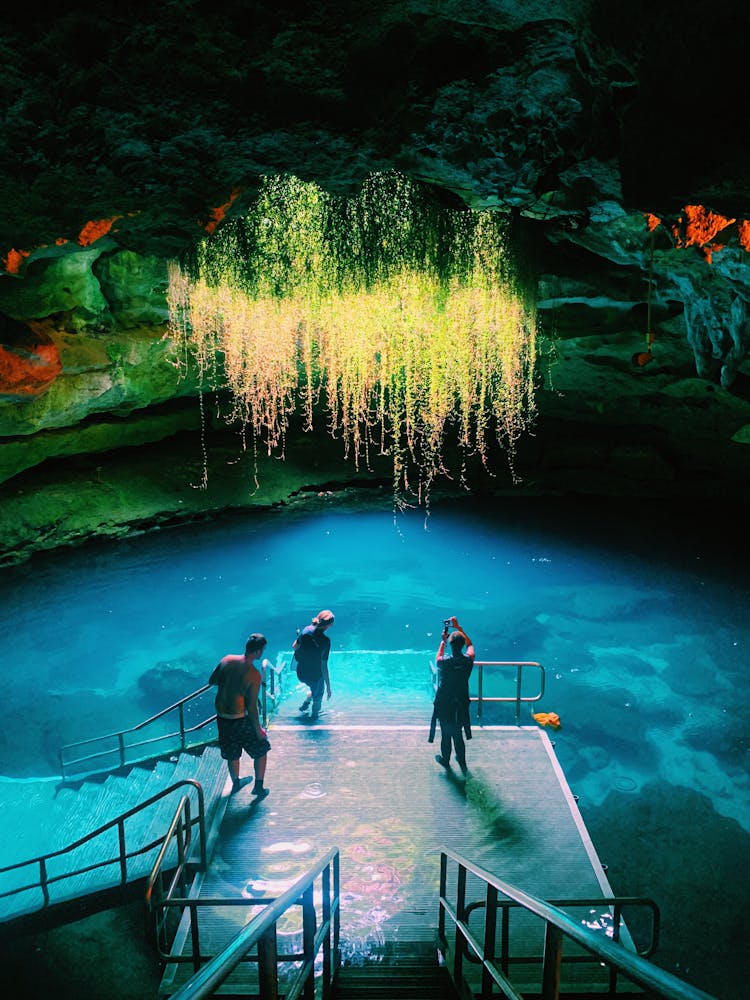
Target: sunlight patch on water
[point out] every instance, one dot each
(287, 847)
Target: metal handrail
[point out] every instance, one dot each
(480, 699)
(272, 681)
(615, 904)
(121, 735)
(261, 932)
(558, 925)
(270, 689)
(45, 880)
(179, 830)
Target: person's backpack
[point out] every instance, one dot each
(307, 655)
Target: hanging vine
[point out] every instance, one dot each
(401, 318)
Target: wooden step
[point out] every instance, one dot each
(400, 983)
(80, 809)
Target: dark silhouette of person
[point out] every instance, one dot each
(311, 649)
(451, 704)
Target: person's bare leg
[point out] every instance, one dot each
(233, 766)
(260, 772)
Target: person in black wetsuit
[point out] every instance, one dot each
(311, 649)
(451, 705)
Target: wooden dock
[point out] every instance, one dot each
(376, 792)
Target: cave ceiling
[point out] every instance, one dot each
(155, 113)
(606, 130)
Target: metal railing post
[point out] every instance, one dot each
(123, 852)
(490, 918)
(480, 690)
(268, 973)
(616, 918)
(337, 909)
(308, 939)
(121, 746)
(505, 941)
(551, 963)
(180, 834)
(458, 948)
(43, 880)
(326, 917)
(181, 712)
(202, 840)
(443, 890)
(519, 673)
(195, 935)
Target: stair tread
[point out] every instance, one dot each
(396, 989)
(406, 979)
(77, 811)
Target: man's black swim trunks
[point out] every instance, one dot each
(236, 735)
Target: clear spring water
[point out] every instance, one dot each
(643, 632)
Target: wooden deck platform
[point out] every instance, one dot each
(376, 792)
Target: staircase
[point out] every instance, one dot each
(52, 822)
(405, 971)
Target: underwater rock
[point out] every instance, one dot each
(594, 758)
(731, 743)
(169, 681)
(656, 843)
(610, 603)
(694, 674)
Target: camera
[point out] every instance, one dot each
(448, 623)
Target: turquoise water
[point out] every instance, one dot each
(645, 653)
(643, 632)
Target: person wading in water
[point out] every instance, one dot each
(311, 649)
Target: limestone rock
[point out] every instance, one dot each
(64, 283)
(29, 362)
(574, 118)
(135, 288)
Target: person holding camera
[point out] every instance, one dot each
(451, 705)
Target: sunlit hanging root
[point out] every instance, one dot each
(400, 319)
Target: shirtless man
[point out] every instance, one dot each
(237, 715)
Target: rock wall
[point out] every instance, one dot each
(130, 135)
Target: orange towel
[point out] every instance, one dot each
(547, 719)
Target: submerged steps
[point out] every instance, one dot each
(377, 794)
(404, 970)
(94, 803)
